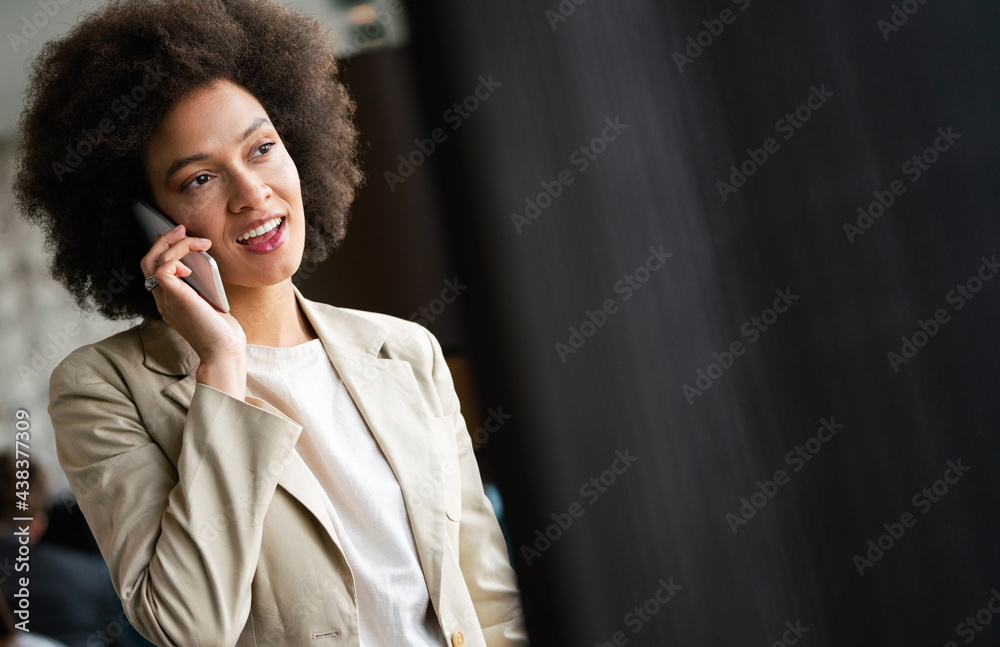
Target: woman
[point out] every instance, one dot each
(288, 473)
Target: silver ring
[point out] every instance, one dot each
(150, 282)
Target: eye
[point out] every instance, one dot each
(263, 149)
(198, 180)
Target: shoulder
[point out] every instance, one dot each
(101, 357)
(378, 319)
(400, 332)
(387, 336)
(149, 351)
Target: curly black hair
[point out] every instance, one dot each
(95, 96)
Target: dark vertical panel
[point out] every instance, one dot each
(876, 102)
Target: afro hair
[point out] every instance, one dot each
(96, 95)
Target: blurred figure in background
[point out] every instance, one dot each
(9, 637)
(70, 592)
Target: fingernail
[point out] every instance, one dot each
(205, 240)
(177, 228)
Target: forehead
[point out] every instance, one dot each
(210, 115)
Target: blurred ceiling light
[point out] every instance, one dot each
(369, 24)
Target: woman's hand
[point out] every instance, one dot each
(215, 336)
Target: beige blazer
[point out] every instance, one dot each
(213, 528)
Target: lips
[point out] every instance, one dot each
(260, 230)
(267, 241)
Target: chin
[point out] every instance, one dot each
(261, 278)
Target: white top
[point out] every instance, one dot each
(361, 492)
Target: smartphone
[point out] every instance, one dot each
(204, 277)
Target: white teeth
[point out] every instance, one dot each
(267, 226)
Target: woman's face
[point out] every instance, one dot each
(216, 165)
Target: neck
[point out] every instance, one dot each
(270, 316)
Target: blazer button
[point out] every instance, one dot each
(457, 639)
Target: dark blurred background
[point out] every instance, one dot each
(866, 91)
(740, 411)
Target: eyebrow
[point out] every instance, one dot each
(197, 157)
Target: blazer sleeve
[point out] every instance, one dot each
(182, 544)
(483, 554)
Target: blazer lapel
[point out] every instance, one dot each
(388, 397)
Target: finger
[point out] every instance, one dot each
(148, 262)
(182, 248)
(169, 275)
(173, 294)
(176, 229)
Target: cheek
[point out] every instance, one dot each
(290, 180)
(203, 219)
(197, 226)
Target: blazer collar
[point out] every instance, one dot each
(167, 352)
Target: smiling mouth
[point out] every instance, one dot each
(260, 234)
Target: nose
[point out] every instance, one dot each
(248, 190)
